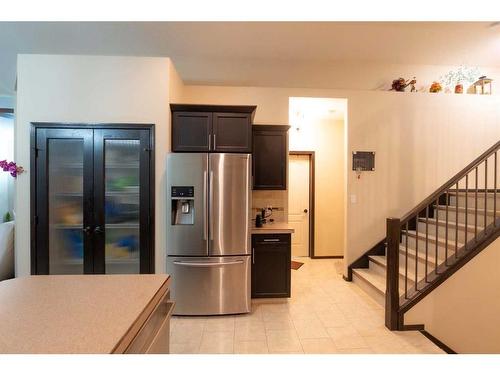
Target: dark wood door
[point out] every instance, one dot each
(63, 206)
(269, 158)
(122, 201)
(191, 131)
(271, 265)
(232, 132)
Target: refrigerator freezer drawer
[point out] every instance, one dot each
(210, 286)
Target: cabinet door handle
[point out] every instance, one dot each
(211, 206)
(87, 230)
(215, 144)
(207, 264)
(271, 240)
(253, 255)
(209, 141)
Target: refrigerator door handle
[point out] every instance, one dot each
(211, 204)
(205, 224)
(207, 264)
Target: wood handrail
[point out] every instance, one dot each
(452, 181)
(455, 256)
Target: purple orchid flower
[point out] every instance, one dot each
(10, 167)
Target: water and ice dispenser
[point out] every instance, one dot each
(182, 205)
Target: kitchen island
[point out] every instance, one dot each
(85, 314)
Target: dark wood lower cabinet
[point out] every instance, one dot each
(271, 265)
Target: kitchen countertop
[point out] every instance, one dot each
(274, 227)
(75, 313)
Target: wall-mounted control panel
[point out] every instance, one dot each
(182, 192)
(363, 161)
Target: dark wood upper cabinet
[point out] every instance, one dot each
(211, 128)
(191, 131)
(270, 148)
(232, 132)
(271, 265)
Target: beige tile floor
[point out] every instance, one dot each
(324, 315)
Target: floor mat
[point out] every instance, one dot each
(296, 265)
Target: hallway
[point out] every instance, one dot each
(325, 315)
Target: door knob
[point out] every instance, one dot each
(305, 210)
(99, 229)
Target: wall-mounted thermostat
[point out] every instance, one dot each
(363, 161)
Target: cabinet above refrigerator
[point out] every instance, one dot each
(212, 128)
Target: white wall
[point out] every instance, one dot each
(6, 153)
(464, 311)
(89, 89)
(6, 101)
(420, 140)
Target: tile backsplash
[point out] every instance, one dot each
(278, 199)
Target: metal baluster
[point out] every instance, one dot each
(406, 261)
(475, 208)
(426, 240)
(416, 251)
(437, 234)
(495, 193)
(485, 191)
(456, 222)
(466, 205)
(446, 230)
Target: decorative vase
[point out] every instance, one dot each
(459, 89)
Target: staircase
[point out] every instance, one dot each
(433, 241)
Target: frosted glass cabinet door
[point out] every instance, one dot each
(91, 191)
(63, 231)
(121, 156)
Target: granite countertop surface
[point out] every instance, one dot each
(273, 227)
(73, 313)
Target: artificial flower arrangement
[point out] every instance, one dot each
(11, 167)
(455, 80)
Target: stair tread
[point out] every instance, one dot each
(479, 193)
(440, 240)
(382, 260)
(378, 281)
(451, 208)
(450, 223)
(375, 279)
(421, 255)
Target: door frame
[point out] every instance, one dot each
(312, 193)
(33, 176)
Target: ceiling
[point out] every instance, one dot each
(243, 52)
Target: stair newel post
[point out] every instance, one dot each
(392, 282)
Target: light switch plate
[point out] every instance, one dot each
(354, 198)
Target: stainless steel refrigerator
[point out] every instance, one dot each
(208, 232)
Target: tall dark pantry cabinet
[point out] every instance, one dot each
(92, 191)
